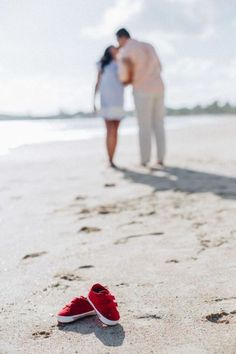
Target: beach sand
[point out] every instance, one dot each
(164, 242)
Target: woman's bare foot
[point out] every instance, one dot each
(112, 165)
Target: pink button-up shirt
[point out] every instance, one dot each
(146, 67)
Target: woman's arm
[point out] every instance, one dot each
(96, 89)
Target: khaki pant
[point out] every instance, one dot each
(150, 112)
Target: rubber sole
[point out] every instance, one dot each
(103, 319)
(69, 319)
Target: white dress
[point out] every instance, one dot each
(111, 93)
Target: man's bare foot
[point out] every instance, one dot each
(159, 166)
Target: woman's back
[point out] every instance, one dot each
(111, 89)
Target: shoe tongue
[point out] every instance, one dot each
(104, 292)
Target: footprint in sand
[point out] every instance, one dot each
(102, 209)
(41, 334)
(87, 266)
(89, 229)
(225, 298)
(197, 225)
(172, 261)
(84, 211)
(124, 240)
(34, 255)
(191, 259)
(57, 286)
(110, 209)
(80, 197)
(220, 299)
(220, 317)
(68, 276)
(149, 317)
(130, 223)
(205, 243)
(148, 213)
(108, 185)
(220, 242)
(122, 284)
(145, 285)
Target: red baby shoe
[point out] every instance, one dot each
(79, 307)
(104, 304)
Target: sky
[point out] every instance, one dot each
(49, 50)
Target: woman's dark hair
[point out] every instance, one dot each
(107, 57)
(122, 33)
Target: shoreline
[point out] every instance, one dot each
(56, 117)
(61, 131)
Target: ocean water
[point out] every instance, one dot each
(14, 134)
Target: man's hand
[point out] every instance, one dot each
(126, 74)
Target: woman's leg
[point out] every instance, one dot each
(111, 138)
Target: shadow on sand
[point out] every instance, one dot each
(109, 336)
(184, 180)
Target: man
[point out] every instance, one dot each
(140, 66)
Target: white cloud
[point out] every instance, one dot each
(163, 41)
(230, 70)
(189, 67)
(208, 32)
(191, 80)
(116, 15)
(183, 16)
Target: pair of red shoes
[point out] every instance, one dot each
(99, 302)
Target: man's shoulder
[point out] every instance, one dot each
(136, 43)
(133, 46)
(147, 45)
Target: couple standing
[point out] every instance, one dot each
(134, 63)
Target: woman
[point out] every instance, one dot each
(111, 97)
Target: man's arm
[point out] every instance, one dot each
(157, 58)
(126, 71)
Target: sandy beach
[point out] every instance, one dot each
(164, 242)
